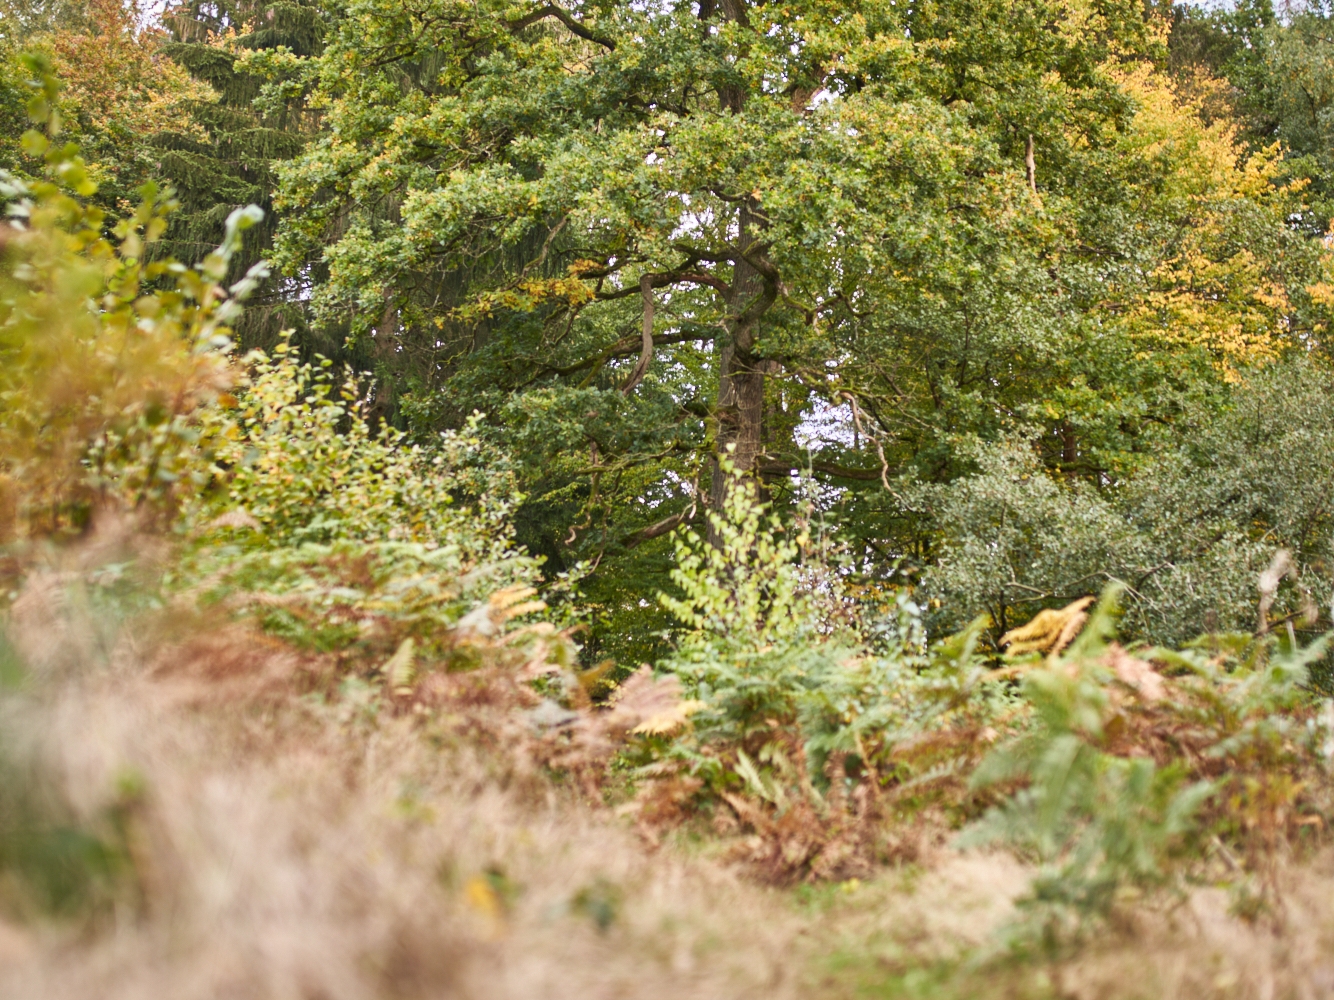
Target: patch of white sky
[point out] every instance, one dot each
(824, 424)
(671, 485)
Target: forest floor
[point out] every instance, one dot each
(286, 846)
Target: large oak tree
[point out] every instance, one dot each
(643, 236)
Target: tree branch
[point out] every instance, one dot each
(665, 279)
(565, 18)
(646, 346)
(659, 528)
(623, 347)
(1031, 167)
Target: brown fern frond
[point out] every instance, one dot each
(1050, 630)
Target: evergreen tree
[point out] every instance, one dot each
(246, 131)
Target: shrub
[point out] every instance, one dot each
(344, 538)
(300, 458)
(803, 729)
(1108, 767)
(1125, 760)
(117, 393)
(105, 360)
(1189, 533)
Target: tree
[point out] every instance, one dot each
(642, 237)
(1281, 88)
(220, 154)
(1190, 533)
(116, 89)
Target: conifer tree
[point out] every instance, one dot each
(247, 130)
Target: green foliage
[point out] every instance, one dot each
(337, 536)
(114, 395)
(1116, 786)
(105, 358)
(803, 703)
(1106, 820)
(1110, 773)
(222, 153)
(303, 461)
(1190, 531)
(494, 183)
(747, 586)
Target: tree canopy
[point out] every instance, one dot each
(843, 239)
(848, 247)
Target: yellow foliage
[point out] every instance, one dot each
(669, 720)
(117, 78)
(400, 670)
(101, 377)
(1211, 291)
(527, 295)
(511, 602)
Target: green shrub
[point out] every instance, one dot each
(340, 537)
(1110, 768)
(806, 729)
(117, 392)
(1189, 532)
(300, 457)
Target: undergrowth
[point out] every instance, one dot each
(1116, 771)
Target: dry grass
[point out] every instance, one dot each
(284, 849)
(940, 931)
(287, 847)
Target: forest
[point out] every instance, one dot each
(649, 498)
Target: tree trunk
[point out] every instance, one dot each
(740, 405)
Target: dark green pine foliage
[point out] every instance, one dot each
(234, 165)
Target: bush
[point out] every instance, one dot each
(1189, 533)
(105, 360)
(806, 726)
(1124, 760)
(828, 739)
(342, 538)
(117, 393)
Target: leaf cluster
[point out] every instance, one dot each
(106, 357)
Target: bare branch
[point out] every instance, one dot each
(660, 528)
(623, 347)
(1031, 166)
(668, 278)
(879, 448)
(667, 523)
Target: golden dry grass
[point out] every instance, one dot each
(281, 850)
(284, 847)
